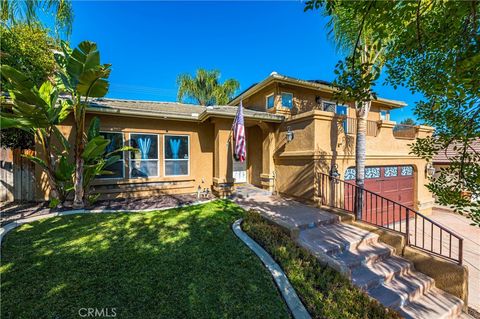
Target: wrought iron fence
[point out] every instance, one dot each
(420, 231)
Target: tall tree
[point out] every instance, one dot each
(27, 48)
(83, 77)
(434, 49)
(357, 73)
(14, 11)
(205, 88)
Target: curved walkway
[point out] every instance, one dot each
(286, 289)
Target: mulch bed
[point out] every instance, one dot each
(15, 211)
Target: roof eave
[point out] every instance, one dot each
(317, 86)
(142, 114)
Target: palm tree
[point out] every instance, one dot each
(14, 11)
(365, 56)
(205, 88)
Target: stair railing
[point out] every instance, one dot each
(420, 231)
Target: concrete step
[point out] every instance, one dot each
(363, 255)
(369, 276)
(335, 238)
(399, 290)
(434, 304)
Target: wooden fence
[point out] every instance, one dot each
(17, 176)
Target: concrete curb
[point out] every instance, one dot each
(286, 289)
(8, 227)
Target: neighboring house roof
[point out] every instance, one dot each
(320, 85)
(173, 110)
(445, 156)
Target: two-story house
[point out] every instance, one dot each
(294, 132)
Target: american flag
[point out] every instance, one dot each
(239, 135)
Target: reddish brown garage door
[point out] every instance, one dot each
(393, 182)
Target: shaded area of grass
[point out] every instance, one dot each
(180, 263)
(324, 291)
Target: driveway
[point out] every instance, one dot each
(471, 250)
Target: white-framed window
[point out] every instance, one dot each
(384, 114)
(144, 162)
(176, 155)
(270, 101)
(287, 100)
(329, 106)
(117, 169)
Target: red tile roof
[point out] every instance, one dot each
(445, 156)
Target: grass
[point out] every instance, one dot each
(324, 291)
(167, 264)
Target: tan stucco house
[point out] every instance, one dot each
(185, 147)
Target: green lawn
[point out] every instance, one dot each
(167, 264)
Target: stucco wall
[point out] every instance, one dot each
(304, 100)
(318, 145)
(201, 158)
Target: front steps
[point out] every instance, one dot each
(373, 267)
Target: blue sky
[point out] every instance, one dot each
(150, 43)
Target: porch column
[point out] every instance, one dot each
(268, 149)
(223, 182)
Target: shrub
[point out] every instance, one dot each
(324, 291)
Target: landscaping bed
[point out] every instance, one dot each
(15, 211)
(324, 291)
(178, 263)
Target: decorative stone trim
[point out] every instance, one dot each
(286, 289)
(8, 227)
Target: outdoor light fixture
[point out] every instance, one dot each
(290, 135)
(429, 170)
(334, 172)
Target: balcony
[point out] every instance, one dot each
(402, 131)
(351, 126)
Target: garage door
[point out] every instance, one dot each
(393, 182)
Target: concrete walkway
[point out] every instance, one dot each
(286, 212)
(357, 253)
(471, 250)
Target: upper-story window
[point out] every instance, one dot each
(270, 101)
(287, 100)
(384, 115)
(329, 106)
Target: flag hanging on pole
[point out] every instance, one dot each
(239, 135)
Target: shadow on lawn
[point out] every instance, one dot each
(174, 264)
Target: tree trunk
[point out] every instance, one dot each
(360, 154)
(45, 142)
(78, 201)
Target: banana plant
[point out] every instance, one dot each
(39, 111)
(96, 159)
(82, 77)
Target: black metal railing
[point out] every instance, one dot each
(419, 231)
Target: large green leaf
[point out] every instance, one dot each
(93, 83)
(16, 77)
(36, 160)
(94, 128)
(64, 171)
(95, 148)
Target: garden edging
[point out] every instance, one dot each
(294, 303)
(14, 224)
